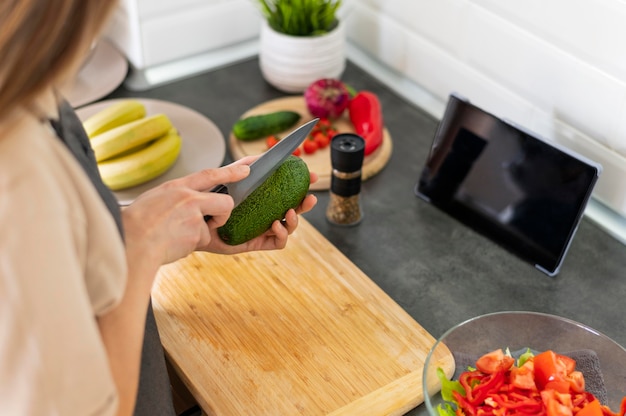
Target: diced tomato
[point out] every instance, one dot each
(557, 404)
(593, 408)
(567, 363)
(554, 408)
(576, 381)
(561, 386)
(523, 377)
(494, 361)
(547, 368)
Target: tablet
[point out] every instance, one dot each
(526, 194)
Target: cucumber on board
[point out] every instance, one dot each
(263, 125)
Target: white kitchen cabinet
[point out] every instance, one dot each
(167, 39)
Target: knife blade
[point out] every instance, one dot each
(265, 165)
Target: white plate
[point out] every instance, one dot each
(203, 144)
(104, 70)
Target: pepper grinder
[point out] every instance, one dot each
(347, 151)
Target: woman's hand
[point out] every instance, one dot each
(167, 222)
(274, 238)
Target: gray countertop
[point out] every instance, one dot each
(438, 270)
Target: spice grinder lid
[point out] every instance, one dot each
(347, 151)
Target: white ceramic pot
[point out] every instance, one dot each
(292, 63)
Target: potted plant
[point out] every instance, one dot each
(300, 41)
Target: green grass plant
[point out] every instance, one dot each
(301, 17)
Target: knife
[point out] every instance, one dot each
(265, 165)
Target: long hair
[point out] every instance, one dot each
(42, 43)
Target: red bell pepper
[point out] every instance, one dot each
(367, 118)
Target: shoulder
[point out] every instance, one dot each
(46, 282)
(48, 199)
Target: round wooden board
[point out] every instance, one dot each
(318, 162)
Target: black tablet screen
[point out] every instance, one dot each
(506, 183)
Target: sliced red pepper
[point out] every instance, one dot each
(490, 384)
(367, 118)
(467, 407)
(526, 404)
(477, 385)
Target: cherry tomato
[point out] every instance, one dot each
(322, 139)
(310, 146)
(324, 123)
(271, 141)
(494, 361)
(297, 152)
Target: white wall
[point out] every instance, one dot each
(557, 67)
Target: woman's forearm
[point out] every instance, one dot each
(122, 332)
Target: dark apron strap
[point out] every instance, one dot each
(155, 395)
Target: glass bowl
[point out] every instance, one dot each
(517, 331)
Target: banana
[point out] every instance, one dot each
(130, 135)
(113, 116)
(142, 146)
(143, 165)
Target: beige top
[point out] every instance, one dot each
(61, 265)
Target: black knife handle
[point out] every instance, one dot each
(220, 189)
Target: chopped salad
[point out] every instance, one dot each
(546, 383)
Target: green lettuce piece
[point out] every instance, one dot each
(445, 410)
(524, 357)
(448, 386)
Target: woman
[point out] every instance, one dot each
(75, 272)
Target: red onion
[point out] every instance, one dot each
(327, 98)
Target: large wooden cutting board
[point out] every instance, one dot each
(299, 331)
(318, 162)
